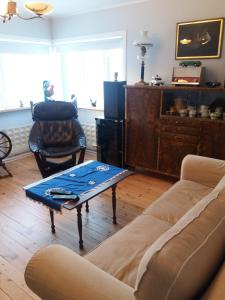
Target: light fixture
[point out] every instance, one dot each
(38, 8)
(143, 44)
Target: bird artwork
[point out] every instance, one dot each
(48, 90)
(93, 103)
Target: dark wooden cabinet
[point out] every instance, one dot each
(157, 141)
(142, 112)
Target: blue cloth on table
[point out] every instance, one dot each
(76, 180)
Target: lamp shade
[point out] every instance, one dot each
(38, 8)
(144, 40)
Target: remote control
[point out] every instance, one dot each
(59, 191)
(66, 197)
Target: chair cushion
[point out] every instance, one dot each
(57, 152)
(121, 254)
(183, 260)
(56, 133)
(54, 110)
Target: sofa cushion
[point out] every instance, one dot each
(180, 198)
(182, 261)
(121, 254)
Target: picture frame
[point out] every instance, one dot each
(199, 39)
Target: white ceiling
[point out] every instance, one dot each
(71, 7)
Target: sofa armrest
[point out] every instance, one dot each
(205, 170)
(56, 272)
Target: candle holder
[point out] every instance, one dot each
(143, 44)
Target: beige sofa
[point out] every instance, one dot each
(174, 250)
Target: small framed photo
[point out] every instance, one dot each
(199, 39)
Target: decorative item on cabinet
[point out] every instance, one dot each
(143, 44)
(188, 75)
(156, 81)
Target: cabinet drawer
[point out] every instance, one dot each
(178, 121)
(172, 150)
(194, 131)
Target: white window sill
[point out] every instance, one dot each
(5, 110)
(91, 108)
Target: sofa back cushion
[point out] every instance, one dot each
(183, 260)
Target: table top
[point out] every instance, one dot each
(36, 190)
(98, 190)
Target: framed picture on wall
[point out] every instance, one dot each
(199, 39)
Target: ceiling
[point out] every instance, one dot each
(64, 8)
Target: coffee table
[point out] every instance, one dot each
(84, 197)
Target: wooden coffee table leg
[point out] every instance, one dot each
(52, 220)
(114, 203)
(79, 224)
(87, 207)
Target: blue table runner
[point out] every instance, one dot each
(77, 180)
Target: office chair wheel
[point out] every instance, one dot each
(5, 145)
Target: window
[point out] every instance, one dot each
(75, 67)
(87, 65)
(21, 78)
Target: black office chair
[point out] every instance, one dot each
(56, 134)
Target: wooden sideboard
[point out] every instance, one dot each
(157, 141)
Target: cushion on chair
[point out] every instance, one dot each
(184, 259)
(54, 110)
(55, 133)
(57, 152)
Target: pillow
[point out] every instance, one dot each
(183, 260)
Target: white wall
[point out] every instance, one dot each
(160, 18)
(14, 119)
(37, 28)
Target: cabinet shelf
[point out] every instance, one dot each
(197, 119)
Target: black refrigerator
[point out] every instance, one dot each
(110, 128)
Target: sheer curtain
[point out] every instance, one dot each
(21, 78)
(85, 70)
(74, 68)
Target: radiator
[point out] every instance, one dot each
(90, 133)
(19, 137)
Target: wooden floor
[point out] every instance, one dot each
(25, 225)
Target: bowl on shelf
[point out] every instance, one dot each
(205, 113)
(183, 112)
(192, 113)
(219, 109)
(191, 107)
(215, 116)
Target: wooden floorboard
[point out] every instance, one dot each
(25, 225)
